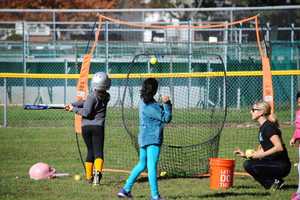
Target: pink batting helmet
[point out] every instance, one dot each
(41, 171)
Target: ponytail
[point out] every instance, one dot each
(265, 106)
(273, 118)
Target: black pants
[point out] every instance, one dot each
(266, 171)
(93, 137)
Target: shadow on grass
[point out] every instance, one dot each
(244, 187)
(290, 186)
(221, 195)
(284, 187)
(165, 178)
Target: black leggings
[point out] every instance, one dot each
(266, 171)
(93, 137)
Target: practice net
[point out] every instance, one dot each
(199, 110)
(196, 83)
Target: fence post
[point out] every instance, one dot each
(225, 62)
(292, 100)
(66, 82)
(240, 61)
(231, 29)
(24, 59)
(148, 66)
(240, 41)
(54, 33)
(207, 94)
(106, 46)
(292, 77)
(171, 82)
(5, 103)
(296, 86)
(190, 59)
(268, 32)
(238, 99)
(292, 40)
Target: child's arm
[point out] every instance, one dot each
(78, 104)
(167, 112)
(296, 135)
(161, 113)
(167, 106)
(86, 109)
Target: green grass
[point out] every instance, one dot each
(22, 147)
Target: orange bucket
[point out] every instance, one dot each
(221, 173)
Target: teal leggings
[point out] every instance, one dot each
(149, 157)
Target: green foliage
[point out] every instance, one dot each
(14, 37)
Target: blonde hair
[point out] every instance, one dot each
(267, 111)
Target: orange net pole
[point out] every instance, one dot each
(82, 84)
(258, 37)
(268, 93)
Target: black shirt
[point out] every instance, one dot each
(266, 131)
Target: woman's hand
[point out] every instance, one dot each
(239, 152)
(292, 141)
(165, 99)
(257, 155)
(69, 107)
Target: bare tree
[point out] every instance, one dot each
(182, 15)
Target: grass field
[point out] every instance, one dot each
(22, 147)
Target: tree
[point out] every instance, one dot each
(54, 4)
(182, 16)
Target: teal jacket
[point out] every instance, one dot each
(153, 117)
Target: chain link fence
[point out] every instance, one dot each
(60, 52)
(241, 93)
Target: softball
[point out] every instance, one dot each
(77, 177)
(249, 152)
(153, 60)
(163, 173)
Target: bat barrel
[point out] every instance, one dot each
(43, 106)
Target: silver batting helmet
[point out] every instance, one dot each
(101, 81)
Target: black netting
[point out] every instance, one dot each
(199, 110)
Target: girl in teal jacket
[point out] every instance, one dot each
(153, 116)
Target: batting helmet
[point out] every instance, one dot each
(101, 81)
(41, 171)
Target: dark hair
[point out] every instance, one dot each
(298, 95)
(149, 89)
(102, 94)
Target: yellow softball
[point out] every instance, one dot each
(163, 173)
(77, 177)
(153, 60)
(249, 152)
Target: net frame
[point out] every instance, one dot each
(180, 160)
(268, 94)
(266, 68)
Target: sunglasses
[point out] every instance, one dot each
(254, 109)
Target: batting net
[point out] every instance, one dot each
(199, 110)
(199, 100)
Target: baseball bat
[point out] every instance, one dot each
(43, 106)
